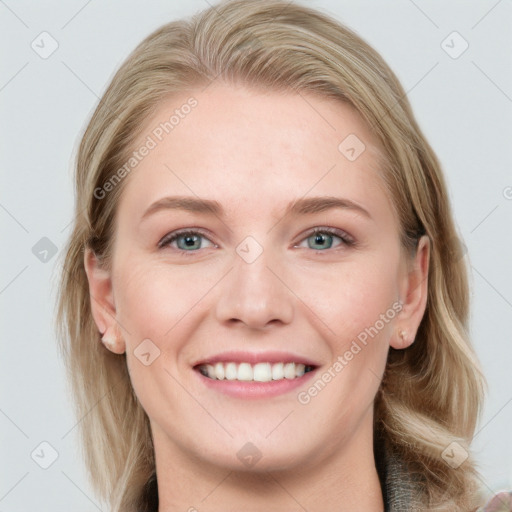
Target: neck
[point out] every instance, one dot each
(344, 480)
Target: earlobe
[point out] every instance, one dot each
(415, 291)
(113, 341)
(404, 340)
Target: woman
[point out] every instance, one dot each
(264, 305)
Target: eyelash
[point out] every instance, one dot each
(171, 237)
(346, 239)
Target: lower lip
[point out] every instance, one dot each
(252, 389)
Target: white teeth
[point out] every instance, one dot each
(260, 372)
(289, 371)
(278, 371)
(219, 371)
(244, 372)
(231, 371)
(211, 371)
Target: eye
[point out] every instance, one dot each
(327, 238)
(189, 241)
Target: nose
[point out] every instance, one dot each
(255, 295)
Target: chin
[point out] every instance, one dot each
(257, 461)
(256, 454)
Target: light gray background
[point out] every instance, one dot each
(463, 104)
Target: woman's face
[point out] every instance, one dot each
(216, 261)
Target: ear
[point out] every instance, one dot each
(102, 298)
(414, 293)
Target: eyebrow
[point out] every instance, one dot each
(303, 206)
(190, 204)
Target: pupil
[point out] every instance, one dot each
(190, 240)
(320, 239)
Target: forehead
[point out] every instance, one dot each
(239, 146)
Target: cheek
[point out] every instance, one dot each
(352, 299)
(151, 300)
(356, 318)
(152, 305)
(357, 321)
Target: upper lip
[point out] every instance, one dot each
(256, 357)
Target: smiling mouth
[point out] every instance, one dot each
(259, 372)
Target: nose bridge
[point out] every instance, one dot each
(253, 295)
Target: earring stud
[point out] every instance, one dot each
(109, 340)
(113, 340)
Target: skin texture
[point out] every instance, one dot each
(255, 152)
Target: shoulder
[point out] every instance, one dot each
(501, 502)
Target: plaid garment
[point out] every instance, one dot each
(398, 487)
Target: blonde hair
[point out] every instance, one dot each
(431, 392)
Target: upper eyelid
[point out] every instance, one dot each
(347, 239)
(170, 237)
(340, 233)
